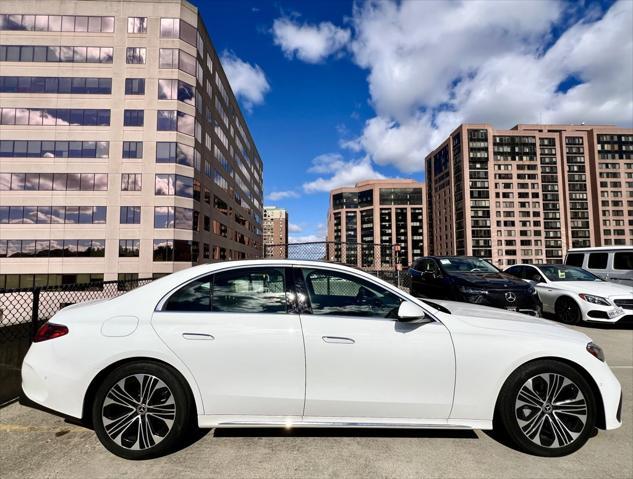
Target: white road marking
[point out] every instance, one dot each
(621, 367)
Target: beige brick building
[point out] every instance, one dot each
(275, 232)
(123, 151)
(529, 193)
(380, 221)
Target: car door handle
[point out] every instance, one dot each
(198, 336)
(338, 339)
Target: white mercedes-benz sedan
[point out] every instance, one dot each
(307, 344)
(574, 294)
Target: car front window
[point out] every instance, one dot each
(341, 294)
(567, 273)
(467, 265)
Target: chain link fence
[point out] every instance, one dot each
(23, 311)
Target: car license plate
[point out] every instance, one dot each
(512, 308)
(612, 313)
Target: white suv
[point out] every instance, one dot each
(611, 263)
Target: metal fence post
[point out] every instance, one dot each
(35, 312)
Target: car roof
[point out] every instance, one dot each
(600, 248)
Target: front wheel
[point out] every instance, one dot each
(548, 409)
(568, 311)
(141, 410)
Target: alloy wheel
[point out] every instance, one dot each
(551, 410)
(138, 411)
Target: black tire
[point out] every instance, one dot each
(568, 311)
(166, 413)
(560, 433)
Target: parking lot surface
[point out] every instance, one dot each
(35, 444)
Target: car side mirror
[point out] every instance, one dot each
(409, 312)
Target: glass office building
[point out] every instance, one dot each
(123, 151)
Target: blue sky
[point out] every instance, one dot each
(335, 92)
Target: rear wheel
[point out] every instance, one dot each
(568, 311)
(548, 409)
(141, 410)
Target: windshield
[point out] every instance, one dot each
(567, 273)
(467, 265)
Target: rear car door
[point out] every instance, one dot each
(361, 362)
(234, 332)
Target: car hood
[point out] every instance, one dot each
(484, 317)
(489, 280)
(597, 288)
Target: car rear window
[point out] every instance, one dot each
(598, 260)
(623, 260)
(575, 259)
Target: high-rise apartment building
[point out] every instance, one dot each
(377, 223)
(123, 151)
(530, 193)
(275, 232)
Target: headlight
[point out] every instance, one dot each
(532, 290)
(468, 290)
(595, 350)
(590, 298)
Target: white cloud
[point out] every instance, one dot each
(344, 173)
(434, 65)
(282, 195)
(319, 233)
(293, 228)
(327, 163)
(248, 81)
(310, 43)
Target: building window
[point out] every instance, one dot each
(166, 120)
(176, 90)
(137, 25)
(130, 215)
(172, 120)
(135, 55)
(66, 248)
(174, 58)
(55, 54)
(53, 181)
(172, 152)
(177, 185)
(54, 117)
(45, 215)
(135, 86)
(176, 28)
(175, 217)
(57, 23)
(60, 85)
(129, 248)
(53, 149)
(175, 250)
(132, 149)
(133, 117)
(131, 181)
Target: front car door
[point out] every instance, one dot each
(361, 363)
(234, 332)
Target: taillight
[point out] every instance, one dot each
(50, 331)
